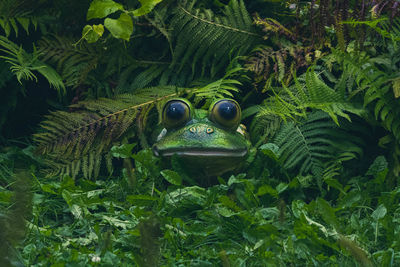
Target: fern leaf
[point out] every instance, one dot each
(79, 141)
(73, 62)
(221, 88)
(308, 145)
(14, 14)
(23, 64)
(212, 38)
(366, 75)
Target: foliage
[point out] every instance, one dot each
(241, 221)
(278, 62)
(22, 64)
(74, 64)
(15, 15)
(121, 27)
(307, 144)
(78, 140)
(318, 82)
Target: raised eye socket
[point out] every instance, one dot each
(175, 113)
(225, 112)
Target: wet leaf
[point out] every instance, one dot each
(102, 8)
(121, 28)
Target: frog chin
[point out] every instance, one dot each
(199, 152)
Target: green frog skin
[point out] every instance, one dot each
(208, 143)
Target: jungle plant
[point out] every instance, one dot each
(121, 27)
(78, 140)
(23, 63)
(12, 222)
(14, 14)
(219, 37)
(319, 88)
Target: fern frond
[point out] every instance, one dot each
(73, 62)
(202, 37)
(386, 28)
(266, 126)
(200, 44)
(80, 140)
(279, 65)
(23, 64)
(270, 25)
(16, 14)
(222, 88)
(308, 145)
(321, 96)
(308, 92)
(366, 75)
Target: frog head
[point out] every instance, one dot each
(209, 143)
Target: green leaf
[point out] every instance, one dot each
(147, 6)
(48, 188)
(396, 87)
(380, 212)
(298, 208)
(124, 151)
(124, 224)
(76, 211)
(99, 29)
(271, 150)
(140, 200)
(351, 199)
(25, 23)
(187, 198)
(281, 187)
(227, 202)
(335, 184)
(172, 177)
(378, 169)
(267, 189)
(225, 212)
(50, 74)
(327, 212)
(102, 8)
(5, 196)
(121, 28)
(92, 33)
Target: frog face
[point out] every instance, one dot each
(208, 143)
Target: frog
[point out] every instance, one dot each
(208, 142)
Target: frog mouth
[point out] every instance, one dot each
(198, 152)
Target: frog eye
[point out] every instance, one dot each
(225, 112)
(176, 112)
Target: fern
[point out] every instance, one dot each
(308, 145)
(264, 127)
(308, 92)
(278, 65)
(385, 28)
(15, 14)
(79, 141)
(201, 37)
(200, 44)
(23, 64)
(364, 74)
(73, 62)
(222, 88)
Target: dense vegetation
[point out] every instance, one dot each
(82, 82)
